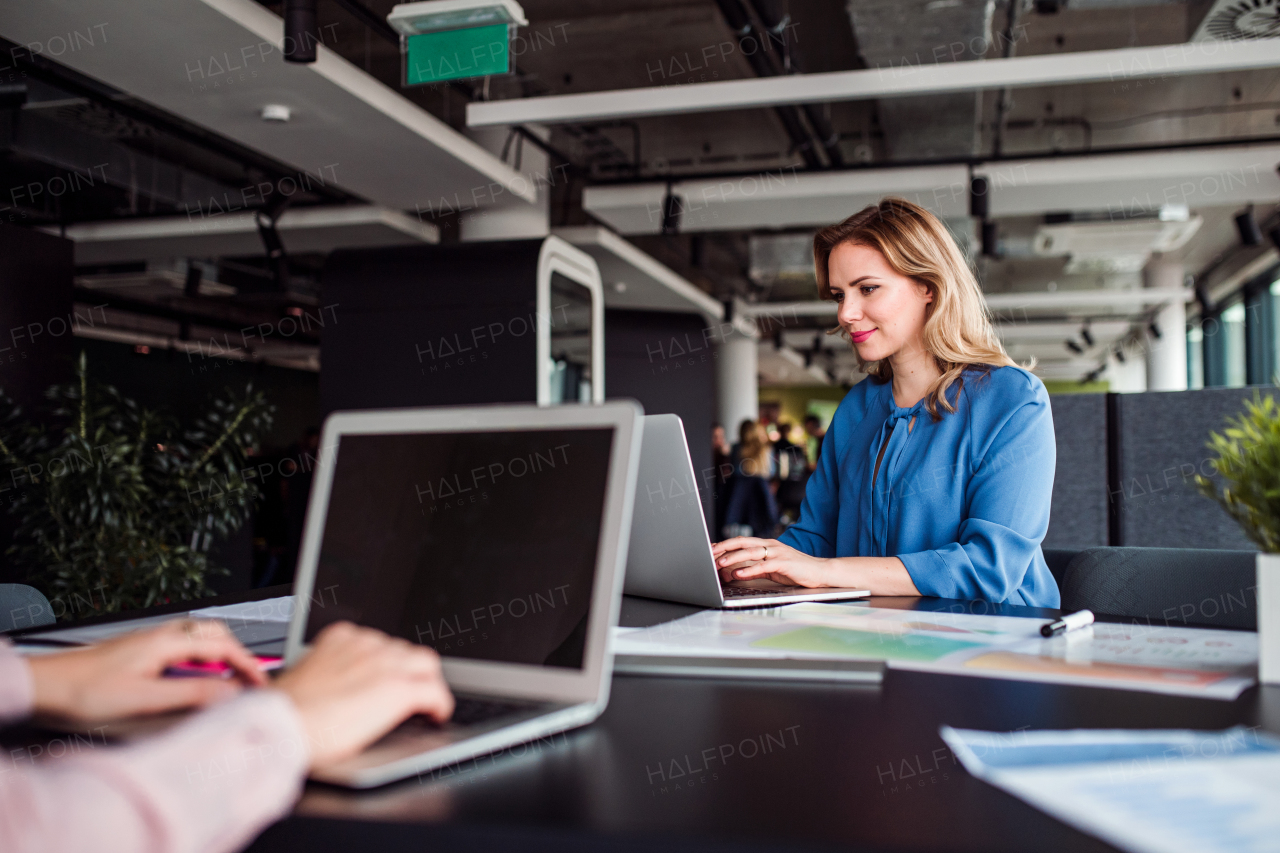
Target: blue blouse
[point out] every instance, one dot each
(963, 502)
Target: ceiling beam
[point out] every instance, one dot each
(637, 281)
(1040, 300)
(916, 76)
(1128, 185)
(303, 229)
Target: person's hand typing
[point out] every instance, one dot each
(124, 676)
(356, 684)
(749, 558)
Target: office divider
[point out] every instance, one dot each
(1126, 468)
(502, 322)
(1160, 442)
(1078, 518)
(666, 362)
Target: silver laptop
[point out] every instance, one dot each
(495, 535)
(670, 553)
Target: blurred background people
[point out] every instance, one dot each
(813, 435)
(749, 500)
(791, 467)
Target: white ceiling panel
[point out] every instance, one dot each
(317, 229)
(780, 198)
(217, 63)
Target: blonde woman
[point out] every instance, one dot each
(936, 473)
(749, 501)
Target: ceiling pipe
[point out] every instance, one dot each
(827, 135)
(1004, 102)
(740, 22)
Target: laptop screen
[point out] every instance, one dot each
(480, 545)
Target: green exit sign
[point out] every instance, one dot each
(455, 54)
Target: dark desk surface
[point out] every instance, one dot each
(819, 767)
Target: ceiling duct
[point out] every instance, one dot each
(1109, 247)
(1233, 20)
(897, 36)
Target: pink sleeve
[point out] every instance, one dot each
(208, 786)
(16, 690)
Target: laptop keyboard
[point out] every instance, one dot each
(468, 712)
(748, 591)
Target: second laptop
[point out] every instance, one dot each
(670, 552)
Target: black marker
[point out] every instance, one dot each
(1070, 622)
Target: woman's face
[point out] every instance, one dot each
(882, 312)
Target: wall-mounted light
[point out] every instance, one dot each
(1074, 347)
(979, 198)
(1120, 354)
(1247, 226)
(1084, 333)
(990, 240)
(1154, 330)
(301, 30)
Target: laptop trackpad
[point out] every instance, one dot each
(761, 583)
(420, 734)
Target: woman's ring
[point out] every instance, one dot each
(766, 552)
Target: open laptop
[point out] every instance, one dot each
(670, 553)
(496, 535)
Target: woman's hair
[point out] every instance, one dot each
(957, 328)
(754, 447)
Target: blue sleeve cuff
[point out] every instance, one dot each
(806, 542)
(930, 575)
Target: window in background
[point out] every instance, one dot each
(1233, 322)
(1224, 348)
(1195, 355)
(1273, 297)
(1260, 333)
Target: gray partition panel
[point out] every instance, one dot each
(666, 362)
(445, 325)
(1078, 518)
(1162, 437)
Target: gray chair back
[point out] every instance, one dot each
(1058, 559)
(1165, 586)
(23, 606)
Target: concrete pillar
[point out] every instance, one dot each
(1128, 376)
(501, 216)
(737, 391)
(1167, 354)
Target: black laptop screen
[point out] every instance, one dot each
(480, 545)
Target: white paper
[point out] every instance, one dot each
(1147, 792)
(237, 616)
(1179, 661)
(267, 610)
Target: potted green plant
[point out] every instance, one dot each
(1248, 464)
(116, 506)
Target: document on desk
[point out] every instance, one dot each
(253, 622)
(1142, 791)
(1180, 661)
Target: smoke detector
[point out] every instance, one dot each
(276, 112)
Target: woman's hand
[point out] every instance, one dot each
(356, 684)
(124, 676)
(749, 558)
